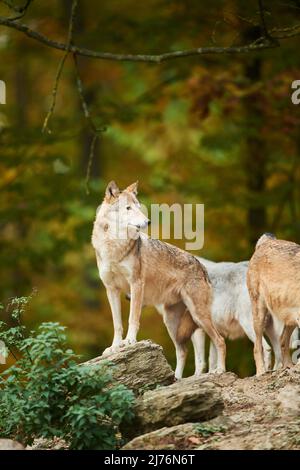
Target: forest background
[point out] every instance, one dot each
(216, 127)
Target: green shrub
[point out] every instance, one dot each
(46, 393)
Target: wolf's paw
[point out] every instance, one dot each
(260, 372)
(268, 360)
(199, 374)
(128, 341)
(288, 364)
(218, 370)
(200, 369)
(112, 349)
(277, 365)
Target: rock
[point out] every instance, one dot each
(42, 443)
(170, 438)
(182, 436)
(9, 444)
(140, 366)
(188, 400)
(289, 400)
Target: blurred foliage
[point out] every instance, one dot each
(219, 130)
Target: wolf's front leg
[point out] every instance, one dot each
(136, 302)
(114, 299)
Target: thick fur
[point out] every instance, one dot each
(154, 272)
(231, 308)
(273, 281)
(231, 314)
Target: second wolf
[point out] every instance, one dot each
(273, 281)
(231, 314)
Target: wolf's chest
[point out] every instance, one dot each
(115, 274)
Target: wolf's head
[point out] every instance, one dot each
(120, 212)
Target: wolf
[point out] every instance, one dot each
(232, 316)
(152, 271)
(231, 308)
(273, 282)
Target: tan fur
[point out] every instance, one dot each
(273, 281)
(186, 328)
(154, 272)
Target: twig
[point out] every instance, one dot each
(266, 34)
(262, 19)
(284, 33)
(20, 10)
(61, 66)
(11, 6)
(90, 162)
(84, 104)
(96, 132)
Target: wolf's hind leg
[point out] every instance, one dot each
(285, 345)
(273, 332)
(197, 298)
(247, 325)
(198, 340)
(259, 315)
(173, 319)
(213, 358)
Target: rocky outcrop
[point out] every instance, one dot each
(188, 400)
(182, 436)
(209, 412)
(9, 444)
(260, 413)
(140, 366)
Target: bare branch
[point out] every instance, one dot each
(20, 10)
(262, 19)
(84, 104)
(90, 161)
(265, 42)
(61, 66)
(150, 58)
(96, 132)
(264, 28)
(284, 33)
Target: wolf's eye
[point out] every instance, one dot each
(128, 208)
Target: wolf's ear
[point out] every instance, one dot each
(112, 191)
(133, 188)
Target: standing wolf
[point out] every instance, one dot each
(154, 272)
(231, 315)
(273, 281)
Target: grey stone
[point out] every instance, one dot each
(188, 400)
(140, 366)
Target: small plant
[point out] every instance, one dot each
(47, 393)
(206, 430)
(13, 336)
